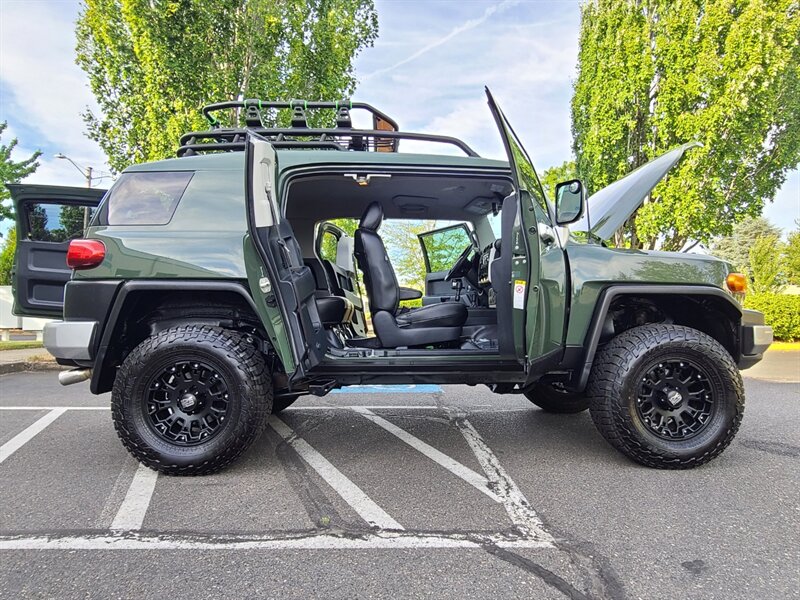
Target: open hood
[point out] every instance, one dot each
(609, 208)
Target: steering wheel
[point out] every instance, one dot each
(461, 267)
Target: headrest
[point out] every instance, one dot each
(372, 217)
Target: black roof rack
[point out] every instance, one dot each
(383, 137)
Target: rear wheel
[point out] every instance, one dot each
(555, 399)
(667, 396)
(190, 400)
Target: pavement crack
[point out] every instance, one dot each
(602, 579)
(319, 509)
(776, 448)
(546, 575)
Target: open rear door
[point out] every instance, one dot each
(48, 217)
(287, 281)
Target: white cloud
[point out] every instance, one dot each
(44, 91)
(466, 26)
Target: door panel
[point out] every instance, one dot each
(538, 277)
(286, 282)
(48, 217)
(436, 288)
(334, 248)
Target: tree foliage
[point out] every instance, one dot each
(792, 257)
(735, 248)
(402, 245)
(653, 74)
(7, 256)
(12, 171)
(152, 64)
(554, 175)
(765, 265)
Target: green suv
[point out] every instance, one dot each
(210, 290)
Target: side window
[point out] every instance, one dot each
(327, 246)
(145, 198)
(48, 222)
(442, 247)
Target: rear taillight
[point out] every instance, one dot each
(85, 254)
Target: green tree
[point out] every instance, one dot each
(7, 256)
(402, 244)
(735, 248)
(555, 175)
(38, 221)
(152, 64)
(792, 256)
(653, 74)
(328, 246)
(765, 265)
(12, 171)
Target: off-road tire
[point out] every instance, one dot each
(553, 400)
(240, 365)
(613, 391)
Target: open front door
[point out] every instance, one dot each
(538, 267)
(286, 282)
(48, 217)
(441, 249)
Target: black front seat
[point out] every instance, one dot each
(434, 324)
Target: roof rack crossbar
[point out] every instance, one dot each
(194, 149)
(233, 139)
(260, 105)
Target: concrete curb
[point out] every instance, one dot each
(19, 367)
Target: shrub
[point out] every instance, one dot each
(415, 303)
(781, 311)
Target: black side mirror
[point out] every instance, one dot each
(570, 201)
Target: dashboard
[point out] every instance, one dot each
(487, 255)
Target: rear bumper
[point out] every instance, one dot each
(754, 338)
(70, 340)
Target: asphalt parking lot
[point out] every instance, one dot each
(446, 492)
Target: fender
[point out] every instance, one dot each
(592, 340)
(103, 373)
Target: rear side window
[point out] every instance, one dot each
(145, 198)
(50, 222)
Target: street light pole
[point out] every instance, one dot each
(88, 175)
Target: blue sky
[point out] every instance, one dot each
(427, 70)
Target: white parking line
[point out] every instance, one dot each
(517, 506)
(456, 468)
(290, 409)
(323, 541)
(55, 408)
(27, 434)
(349, 491)
(367, 406)
(130, 515)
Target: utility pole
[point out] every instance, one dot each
(88, 174)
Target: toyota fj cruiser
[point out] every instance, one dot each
(212, 289)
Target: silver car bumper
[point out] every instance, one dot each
(70, 339)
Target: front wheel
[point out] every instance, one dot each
(191, 399)
(667, 396)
